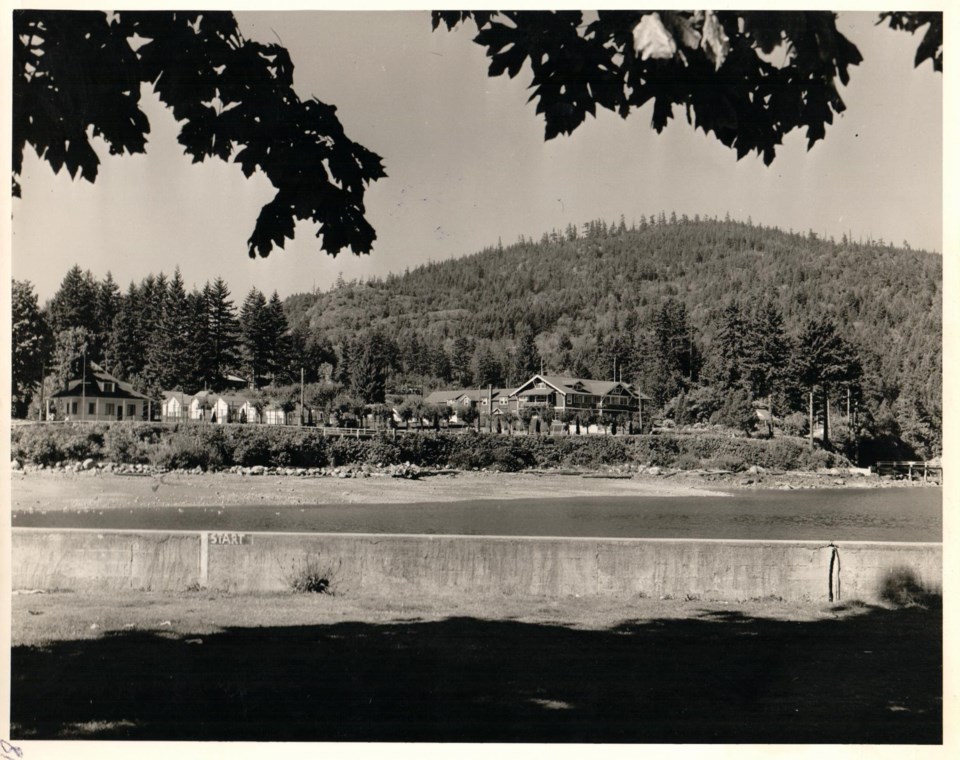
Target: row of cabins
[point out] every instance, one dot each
(221, 408)
(98, 396)
(558, 393)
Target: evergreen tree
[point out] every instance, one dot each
(440, 363)
(172, 357)
(526, 362)
(30, 344)
(487, 369)
(917, 427)
(72, 347)
(675, 357)
(276, 340)
(108, 304)
(461, 353)
(254, 337)
(729, 349)
(223, 334)
(75, 305)
(125, 352)
(156, 373)
(198, 341)
(564, 353)
(367, 369)
(823, 360)
(767, 350)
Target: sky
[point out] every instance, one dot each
(467, 165)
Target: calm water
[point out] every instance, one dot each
(894, 514)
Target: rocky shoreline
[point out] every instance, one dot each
(88, 484)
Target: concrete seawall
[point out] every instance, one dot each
(83, 560)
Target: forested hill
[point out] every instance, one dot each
(591, 284)
(706, 317)
(614, 277)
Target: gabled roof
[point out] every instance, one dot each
(564, 384)
(442, 397)
(482, 393)
(479, 394)
(235, 398)
(95, 375)
(495, 393)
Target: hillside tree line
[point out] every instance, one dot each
(710, 318)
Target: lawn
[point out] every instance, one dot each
(203, 666)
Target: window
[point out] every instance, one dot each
(131, 410)
(110, 409)
(92, 407)
(108, 387)
(73, 408)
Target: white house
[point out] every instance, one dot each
(235, 407)
(201, 405)
(95, 394)
(274, 414)
(175, 406)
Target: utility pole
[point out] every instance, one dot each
(83, 389)
(490, 402)
(856, 430)
(301, 397)
(41, 408)
(811, 419)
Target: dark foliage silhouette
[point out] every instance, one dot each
(78, 73)
(749, 77)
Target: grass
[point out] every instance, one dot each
(312, 667)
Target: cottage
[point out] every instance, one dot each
(457, 400)
(175, 406)
(275, 413)
(234, 407)
(201, 405)
(95, 394)
(496, 402)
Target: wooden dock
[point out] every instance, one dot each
(923, 470)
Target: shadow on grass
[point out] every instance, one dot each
(872, 675)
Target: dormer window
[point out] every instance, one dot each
(109, 387)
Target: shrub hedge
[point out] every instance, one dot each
(215, 446)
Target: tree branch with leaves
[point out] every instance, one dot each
(747, 77)
(78, 74)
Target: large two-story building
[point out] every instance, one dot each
(558, 393)
(575, 395)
